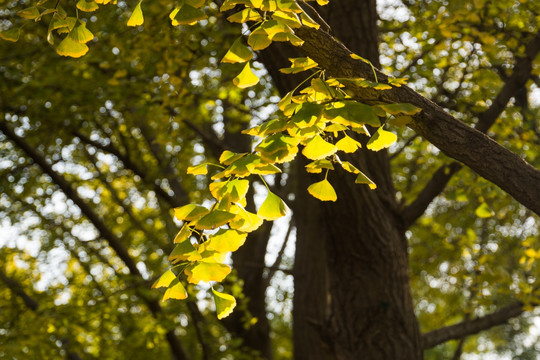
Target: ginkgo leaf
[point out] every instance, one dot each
(12, 34)
(164, 280)
(175, 291)
(484, 211)
(206, 271)
(298, 65)
(288, 18)
(400, 120)
(214, 219)
(190, 212)
(278, 148)
(382, 139)
(273, 207)
(244, 220)
(352, 113)
(226, 240)
(184, 251)
(87, 6)
(348, 144)
(136, 17)
(258, 39)
(363, 179)
(201, 169)
(244, 16)
(246, 78)
(400, 109)
(266, 169)
(307, 115)
(195, 3)
(225, 304)
(188, 15)
(347, 166)
(183, 234)
(80, 33)
(57, 22)
(323, 191)
(317, 166)
(72, 48)
(236, 189)
(317, 148)
(308, 21)
(30, 13)
(228, 157)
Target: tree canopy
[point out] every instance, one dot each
(142, 143)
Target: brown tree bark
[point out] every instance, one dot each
(352, 294)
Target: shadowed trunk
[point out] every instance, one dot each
(359, 305)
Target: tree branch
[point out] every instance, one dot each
(518, 79)
(471, 327)
(455, 138)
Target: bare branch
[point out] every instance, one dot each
(471, 327)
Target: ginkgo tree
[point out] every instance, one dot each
(341, 109)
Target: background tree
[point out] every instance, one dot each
(95, 153)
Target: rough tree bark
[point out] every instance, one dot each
(359, 305)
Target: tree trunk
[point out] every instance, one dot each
(369, 312)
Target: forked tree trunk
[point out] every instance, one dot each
(359, 306)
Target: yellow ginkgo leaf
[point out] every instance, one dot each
(323, 191)
(136, 17)
(184, 251)
(238, 53)
(207, 271)
(214, 219)
(190, 212)
(226, 240)
(200, 169)
(484, 211)
(273, 207)
(164, 280)
(225, 304)
(246, 78)
(347, 166)
(244, 220)
(188, 15)
(183, 234)
(80, 33)
(348, 144)
(382, 139)
(176, 291)
(72, 48)
(363, 179)
(317, 148)
(87, 6)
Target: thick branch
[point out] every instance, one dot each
(518, 79)
(455, 138)
(471, 327)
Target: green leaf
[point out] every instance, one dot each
(347, 166)
(317, 148)
(278, 148)
(80, 33)
(184, 251)
(382, 139)
(30, 13)
(348, 145)
(176, 291)
(183, 234)
(72, 48)
(228, 157)
(363, 179)
(400, 120)
(225, 304)
(195, 3)
(307, 115)
(273, 207)
(323, 191)
(214, 219)
(484, 211)
(245, 16)
(400, 109)
(246, 78)
(258, 39)
(226, 240)
(190, 212)
(164, 280)
(206, 271)
(352, 113)
(87, 6)
(188, 15)
(12, 34)
(201, 169)
(136, 17)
